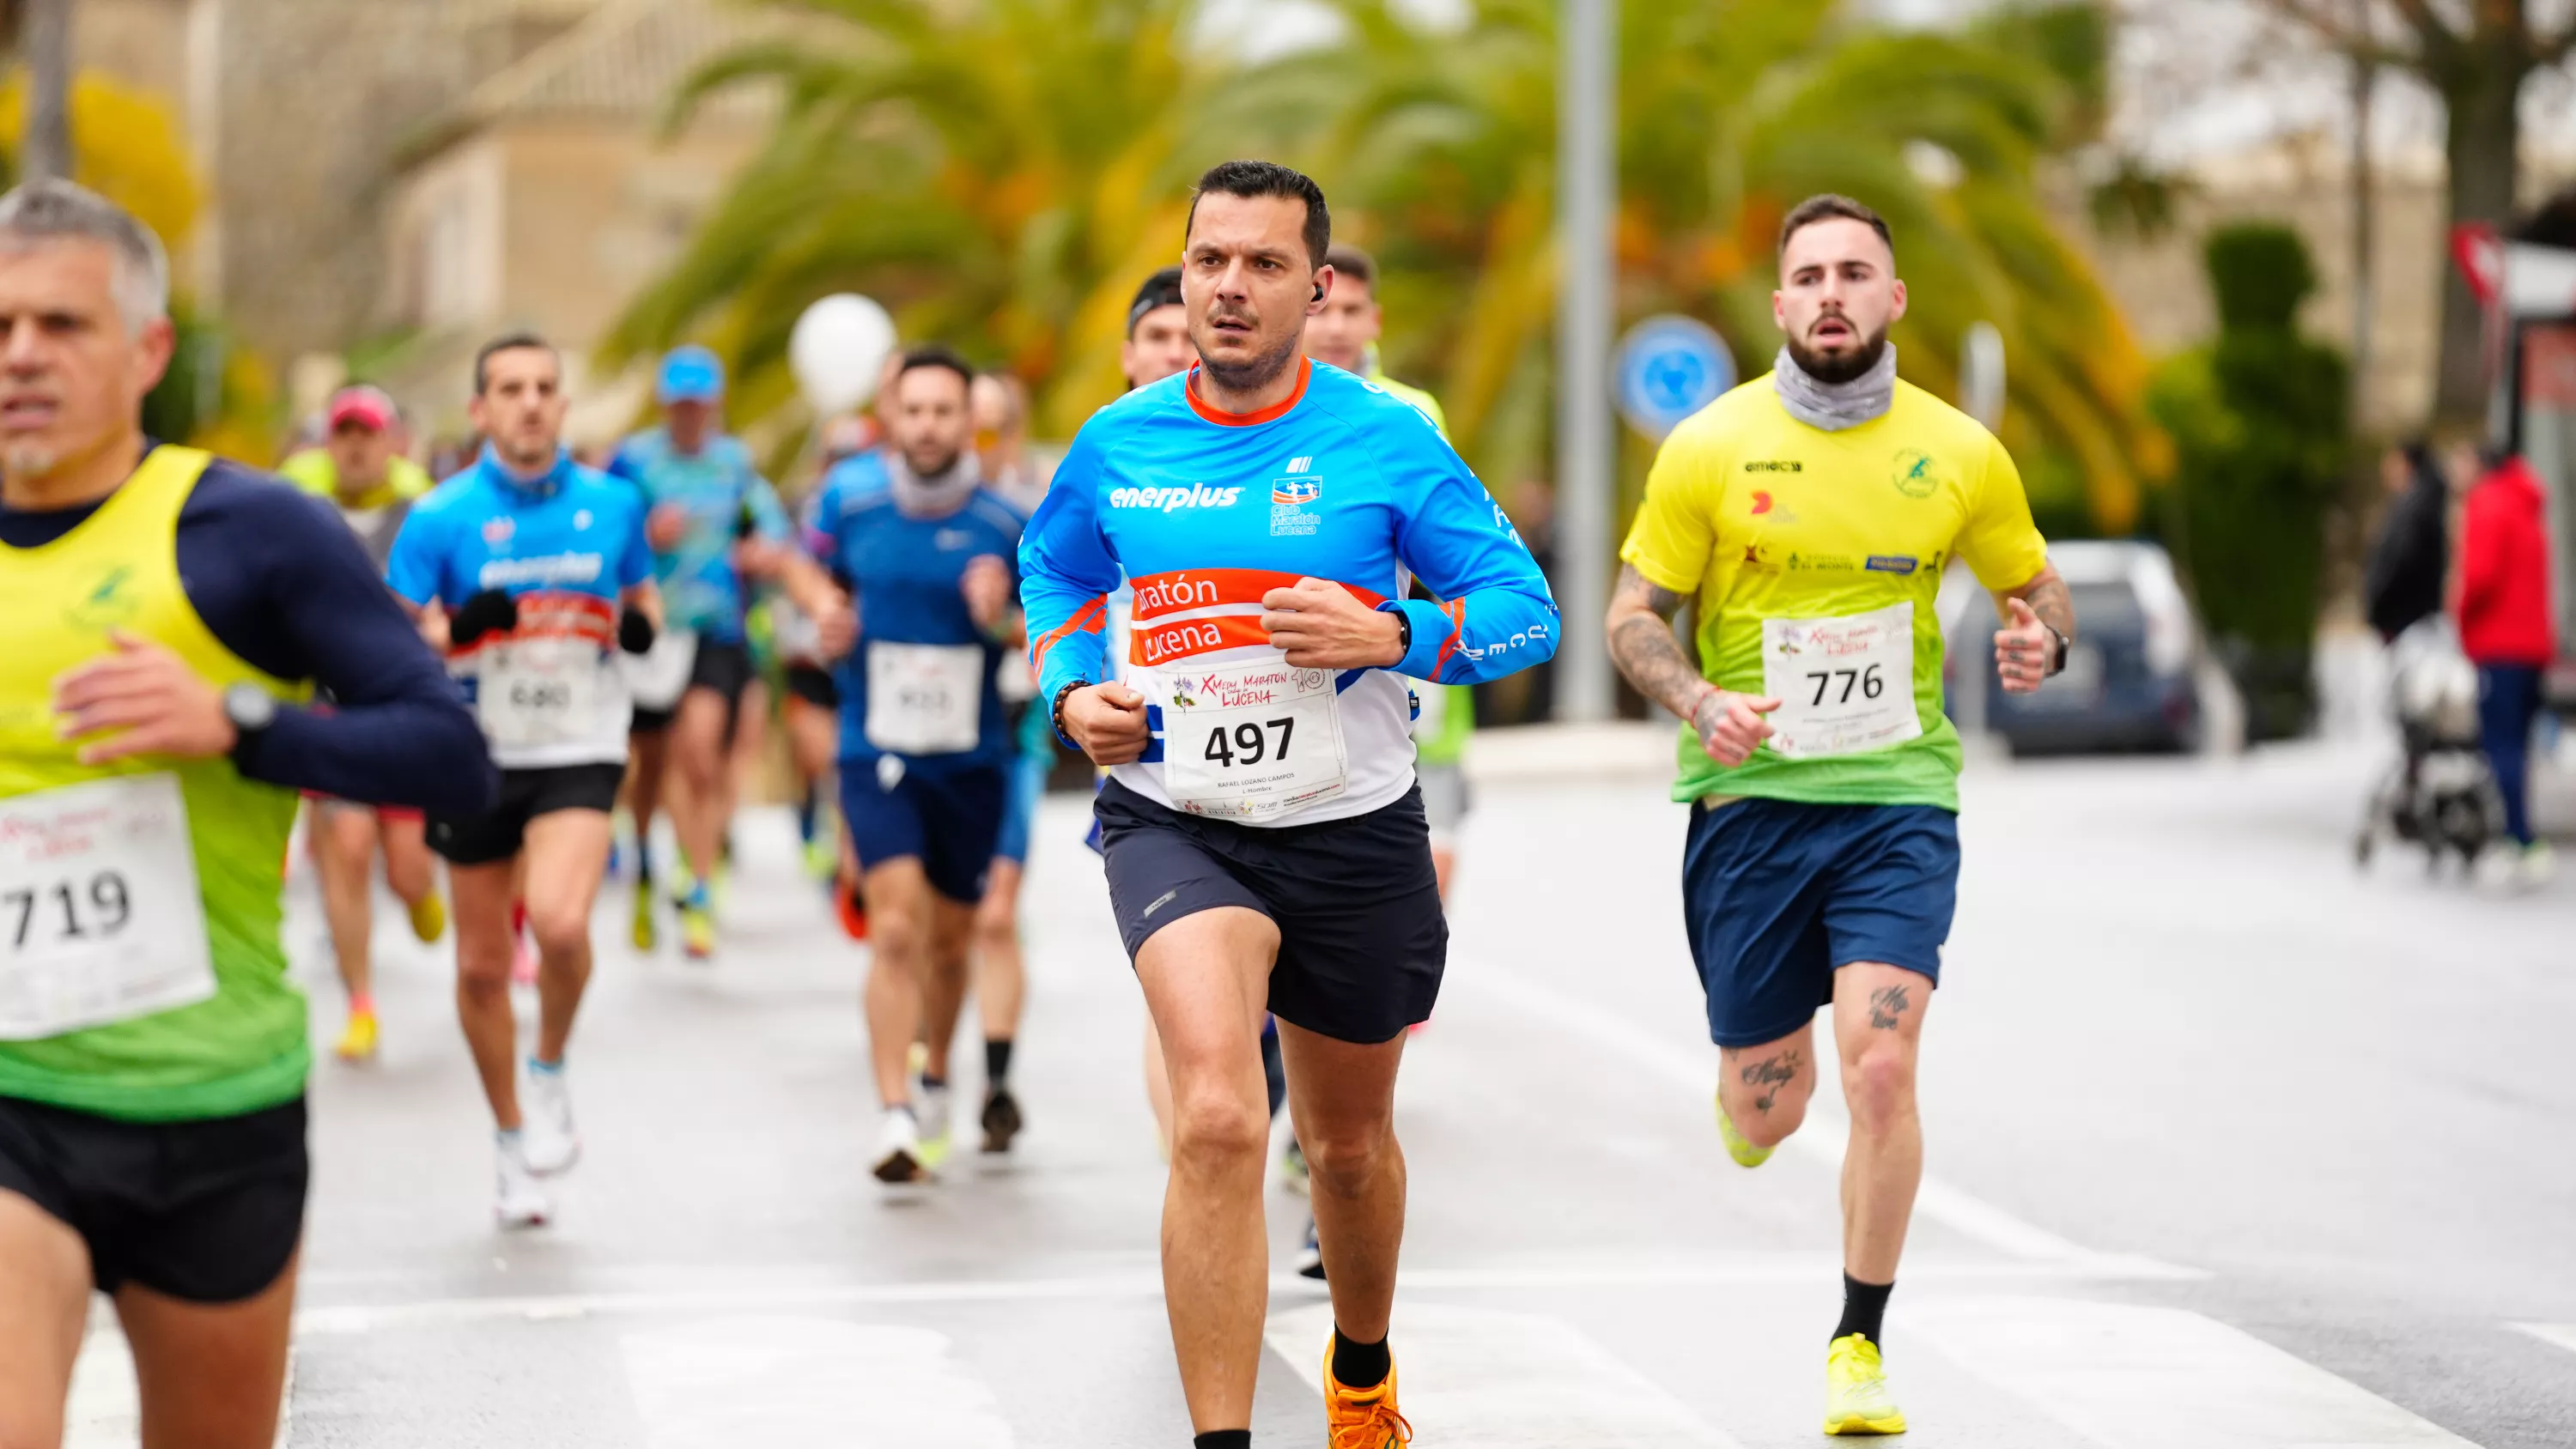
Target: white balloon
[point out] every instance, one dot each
(838, 348)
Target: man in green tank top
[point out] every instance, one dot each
(169, 614)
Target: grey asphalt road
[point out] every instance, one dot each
(2231, 1147)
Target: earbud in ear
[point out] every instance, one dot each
(1319, 291)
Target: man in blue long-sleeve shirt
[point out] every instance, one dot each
(168, 616)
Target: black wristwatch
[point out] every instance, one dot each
(2057, 664)
(1403, 634)
(251, 710)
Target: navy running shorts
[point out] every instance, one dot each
(1777, 894)
(1020, 812)
(1362, 939)
(949, 819)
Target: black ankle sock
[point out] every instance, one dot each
(1864, 1305)
(1359, 1365)
(931, 1083)
(997, 1061)
(1223, 1439)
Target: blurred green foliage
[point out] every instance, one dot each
(1001, 173)
(2260, 423)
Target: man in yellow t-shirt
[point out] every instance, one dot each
(1809, 514)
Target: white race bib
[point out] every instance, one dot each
(1015, 678)
(794, 633)
(100, 918)
(658, 677)
(1248, 741)
(925, 699)
(1845, 686)
(539, 692)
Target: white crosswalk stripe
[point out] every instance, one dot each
(807, 1383)
(2561, 1334)
(1509, 1381)
(2133, 1377)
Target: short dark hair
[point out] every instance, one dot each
(1349, 261)
(935, 357)
(509, 342)
(1163, 289)
(1828, 206)
(1268, 178)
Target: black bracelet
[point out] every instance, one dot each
(1055, 712)
(1403, 634)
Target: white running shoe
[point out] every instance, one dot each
(521, 1202)
(553, 1143)
(898, 1156)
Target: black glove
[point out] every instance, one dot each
(634, 632)
(746, 524)
(489, 612)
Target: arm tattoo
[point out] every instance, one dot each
(1886, 1006)
(2049, 598)
(1770, 1074)
(1642, 643)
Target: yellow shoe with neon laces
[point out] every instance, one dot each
(429, 918)
(1856, 1397)
(1362, 1418)
(1744, 1153)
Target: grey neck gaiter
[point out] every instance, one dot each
(1834, 406)
(938, 495)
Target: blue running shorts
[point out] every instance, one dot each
(1777, 894)
(950, 820)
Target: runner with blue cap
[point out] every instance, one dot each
(715, 526)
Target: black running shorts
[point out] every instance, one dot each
(723, 668)
(1362, 939)
(813, 685)
(205, 1212)
(496, 836)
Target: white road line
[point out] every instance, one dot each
(807, 1383)
(2132, 1377)
(1821, 1139)
(105, 1409)
(2561, 1334)
(1507, 1381)
(766, 1293)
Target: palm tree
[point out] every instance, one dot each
(1730, 112)
(998, 172)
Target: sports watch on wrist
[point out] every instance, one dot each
(250, 709)
(2057, 661)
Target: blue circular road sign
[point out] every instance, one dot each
(1668, 368)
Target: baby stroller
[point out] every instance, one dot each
(2439, 794)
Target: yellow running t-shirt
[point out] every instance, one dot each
(1797, 544)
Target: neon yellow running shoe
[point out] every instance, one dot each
(646, 937)
(429, 918)
(1744, 1153)
(697, 929)
(1856, 1397)
(358, 1041)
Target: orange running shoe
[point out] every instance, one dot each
(1362, 1418)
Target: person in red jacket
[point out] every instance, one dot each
(2506, 628)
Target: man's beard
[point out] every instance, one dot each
(1254, 373)
(941, 463)
(533, 457)
(1839, 367)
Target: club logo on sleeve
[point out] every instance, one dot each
(1293, 500)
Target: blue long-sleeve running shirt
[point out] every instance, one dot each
(1206, 512)
(283, 583)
